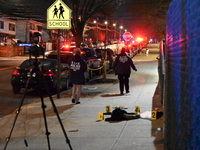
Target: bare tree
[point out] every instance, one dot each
(82, 10)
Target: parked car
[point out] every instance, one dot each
(65, 56)
(107, 55)
(48, 67)
(84, 46)
(94, 63)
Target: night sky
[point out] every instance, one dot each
(145, 17)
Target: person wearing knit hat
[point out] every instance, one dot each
(122, 66)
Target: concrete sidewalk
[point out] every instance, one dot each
(80, 121)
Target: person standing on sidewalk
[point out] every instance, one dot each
(122, 66)
(76, 75)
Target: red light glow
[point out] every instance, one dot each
(48, 73)
(66, 46)
(139, 39)
(15, 72)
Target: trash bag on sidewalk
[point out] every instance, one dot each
(147, 115)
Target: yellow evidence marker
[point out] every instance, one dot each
(153, 115)
(100, 116)
(107, 108)
(137, 110)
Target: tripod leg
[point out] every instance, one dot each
(56, 112)
(17, 114)
(60, 121)
(45, 119)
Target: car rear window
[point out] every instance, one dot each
(64, 58)
(46, 63)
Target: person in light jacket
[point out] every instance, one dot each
(122, 66)
(76, 75)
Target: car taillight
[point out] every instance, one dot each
(16, 72)
(48, 73)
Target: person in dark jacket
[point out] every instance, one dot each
(76, 75)
(122, 67)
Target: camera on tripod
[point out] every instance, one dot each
(36, 50)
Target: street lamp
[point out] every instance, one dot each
(114, 25)
(96, 30)
(121, 27)
(106, 23)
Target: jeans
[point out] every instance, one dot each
(76, 92)
(123, 82)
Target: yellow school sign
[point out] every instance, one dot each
(58, 16)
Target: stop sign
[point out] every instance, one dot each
(127, 36)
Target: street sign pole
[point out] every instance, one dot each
(58, 65)
(58, 17)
